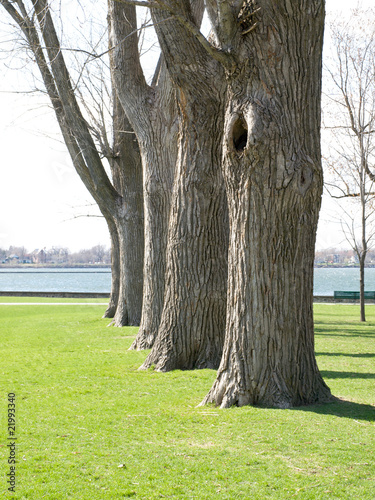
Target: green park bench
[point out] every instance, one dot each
(352, 295)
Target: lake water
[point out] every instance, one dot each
(326, 281)
(55, 280)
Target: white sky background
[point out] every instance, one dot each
(40, 192)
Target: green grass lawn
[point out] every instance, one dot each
(90, 426)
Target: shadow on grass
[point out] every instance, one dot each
(332, 374)
(358, 355)
(343, 321)
(344, 409)
(353, 333)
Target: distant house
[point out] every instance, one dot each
(39, 256)
(354, 259)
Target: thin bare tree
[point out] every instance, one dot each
(350, 132)
(121, 199)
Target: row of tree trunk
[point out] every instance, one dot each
(249, 120)
(221, 200)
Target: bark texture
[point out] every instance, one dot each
(273, 174)
(153, 116)
(159, 159)
(191, 332)
(127, 179)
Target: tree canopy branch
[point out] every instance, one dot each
(223, 57)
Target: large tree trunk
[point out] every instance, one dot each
(191, 332)
(152, 113)
(274, 184)
(268, 356)
(159, 158)
(192, 327)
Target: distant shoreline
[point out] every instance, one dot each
(320, 299)
(341, 266)
(107, 266)
(55, 266)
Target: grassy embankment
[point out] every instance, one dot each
(90, 426)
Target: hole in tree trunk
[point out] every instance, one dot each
(305, 179)
(240, 134)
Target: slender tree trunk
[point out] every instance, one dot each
(192, 327)
(129, 307)
(130, 233)
(273, 175)
(362, 286)
(363, 253)
(126, 226)
(120, 207)
(119, 204)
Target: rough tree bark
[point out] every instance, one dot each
(126, 170)
(273, 174)
(152, 113)
(192, 327)
(114, 205)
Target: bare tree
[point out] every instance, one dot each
(350, 129)
(120, 202)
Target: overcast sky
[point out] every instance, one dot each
(41, 195)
